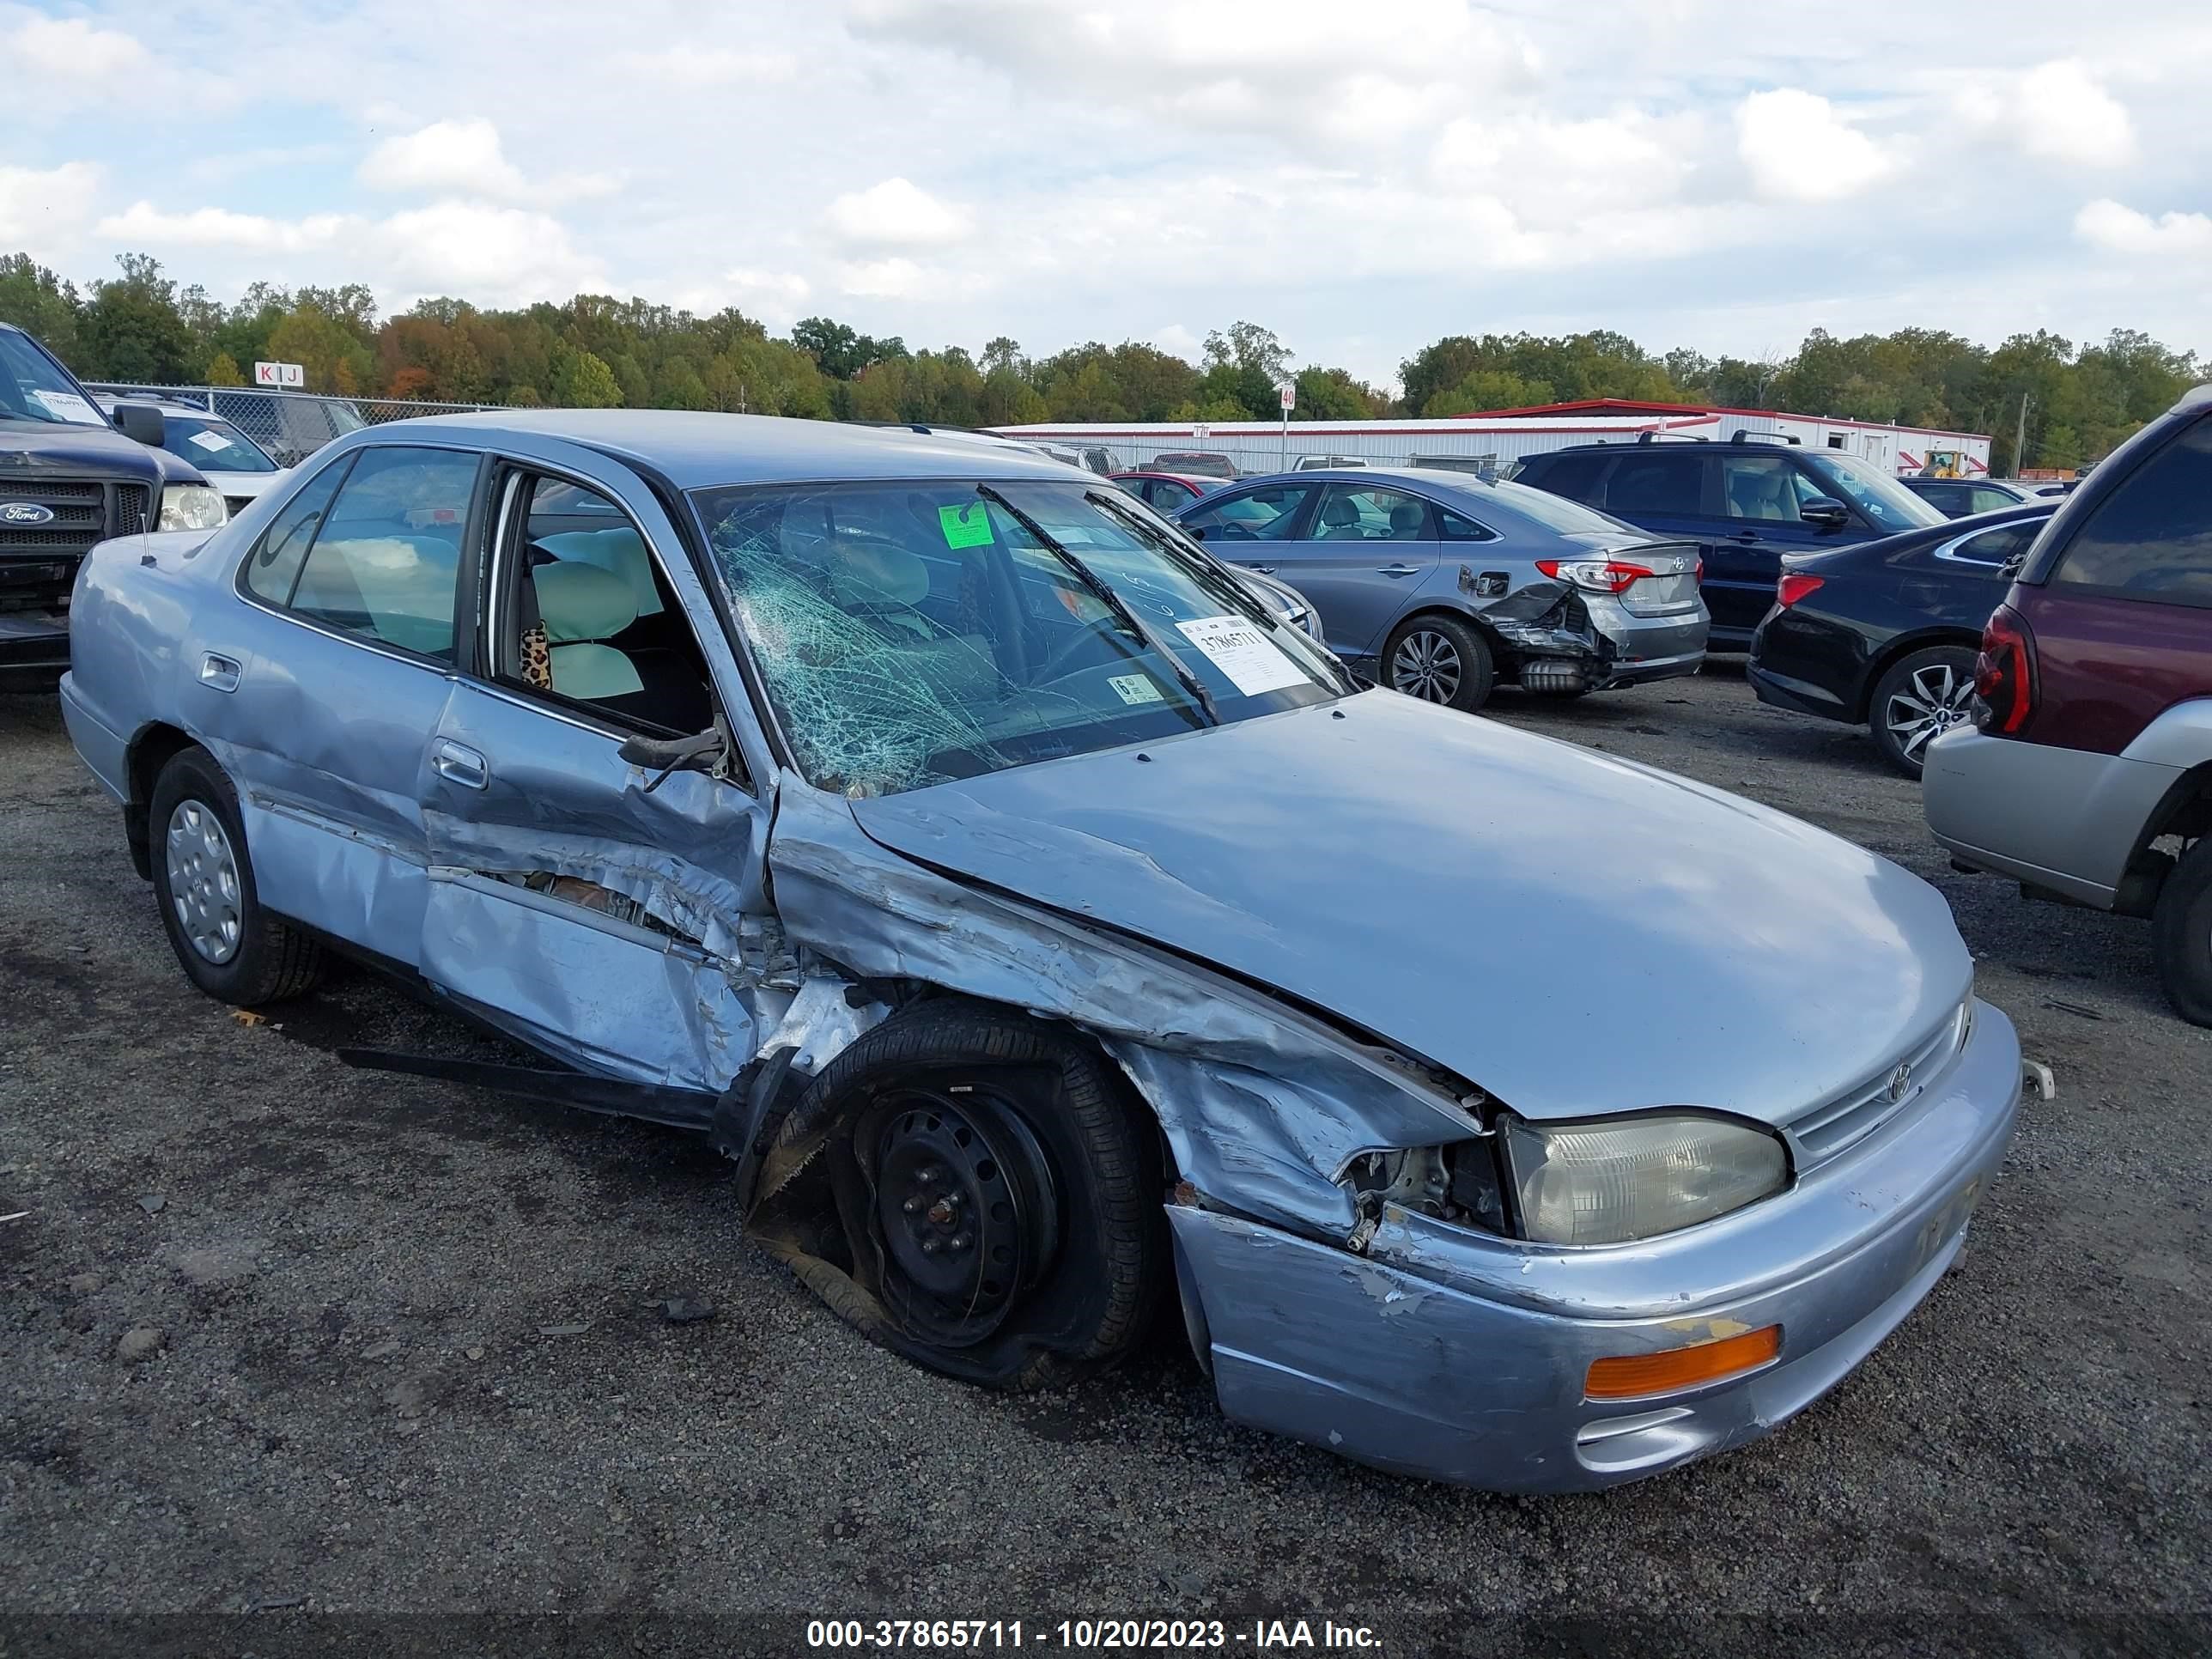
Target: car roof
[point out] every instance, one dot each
(1699, 446)
(107, 401)
(695, 450)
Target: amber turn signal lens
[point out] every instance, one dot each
(1631, 1376)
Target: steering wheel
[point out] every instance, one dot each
(1055, 667)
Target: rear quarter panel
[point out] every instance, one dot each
(2105, 668)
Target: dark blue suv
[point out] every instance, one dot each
(1744, 503)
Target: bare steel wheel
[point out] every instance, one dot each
(1439, 659)
(204, 881)
(1919, 698)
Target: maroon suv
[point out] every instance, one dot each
(2088, 772)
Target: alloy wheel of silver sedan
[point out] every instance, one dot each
(204, 881)
(1932, 699)
(1426, 665)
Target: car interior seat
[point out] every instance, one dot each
(618, 549)
(1340, 520)
(1406, 521)
(1759, 493)
(582, 606)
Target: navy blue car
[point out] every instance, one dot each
(1746, 504)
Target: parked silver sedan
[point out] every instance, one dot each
(1441, 584)
(1049, 931)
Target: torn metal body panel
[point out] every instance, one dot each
(1345, 995)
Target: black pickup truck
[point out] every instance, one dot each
(68, 478)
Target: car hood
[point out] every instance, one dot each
(1573, 932)
(28, 448)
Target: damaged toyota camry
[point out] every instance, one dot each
(1053, 935)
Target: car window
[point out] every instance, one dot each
(1266, 514)
(386, 559)
(1989, 500)
(212, 444)
(908, 633)
(1654, 483)
(1764, 489)
(274, 564)
(1886, 504)
(1944, 498)
(1572, 476)
(1458, 527)
(1994, 547)
(2151, 538)
(585, 611)
(1367, 513)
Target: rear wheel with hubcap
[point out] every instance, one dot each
(226, 943)
(1439, 660)
(1917, 698)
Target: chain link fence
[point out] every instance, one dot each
(289, 425)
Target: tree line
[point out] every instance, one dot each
(598, 351)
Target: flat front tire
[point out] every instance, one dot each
(226, 943)
(977, 1189)
(2181, 934)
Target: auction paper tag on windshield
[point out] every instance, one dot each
(1136, 688)
(1240, 650)
(209, 440)
(67, 406)
(966, 526)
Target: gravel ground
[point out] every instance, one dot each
(407, 1383)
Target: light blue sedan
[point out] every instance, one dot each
(1048, 929)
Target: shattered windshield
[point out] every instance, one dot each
(914, 633)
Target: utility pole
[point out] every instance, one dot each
(2019, 438)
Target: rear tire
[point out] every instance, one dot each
(1918, 696)
(978, 1191)
(226, 943)
(2181, 934)
(1439, 660)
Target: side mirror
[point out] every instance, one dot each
(1825, 513)
(141, 422)
(702, 751)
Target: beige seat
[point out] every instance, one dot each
(582, 606)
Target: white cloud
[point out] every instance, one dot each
(896, 214)
(469, 249)
(39, 209)
(695, 67)
(2066, 116)
(1798, 148)
(881, 279)
(465, 158)
(1176, 338)
(1561, 171)
(56, 54)
(2121, 229)
(142, 224)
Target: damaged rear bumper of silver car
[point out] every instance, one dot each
(1461, 1357)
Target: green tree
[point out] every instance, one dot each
(222, 371)
(1487, 389)
(581, 379)
(132, 329)
(38, 302)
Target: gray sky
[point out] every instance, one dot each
(1361, 179)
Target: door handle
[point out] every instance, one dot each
(1264, 569)
(1746, 535)
(219, 673)
(1398, 569)
(461, 764)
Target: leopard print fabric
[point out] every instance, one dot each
(537, 658)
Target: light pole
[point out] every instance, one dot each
(2019, 438)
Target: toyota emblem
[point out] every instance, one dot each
(1899, 1081)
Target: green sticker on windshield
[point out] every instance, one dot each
(966, 526)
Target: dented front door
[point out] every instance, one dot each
(623, 929)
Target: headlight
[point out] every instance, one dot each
(1601, 1183)
(193, 507)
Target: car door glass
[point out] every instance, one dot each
(593, 617)
(2151, 538)
(386, 560)
(1763, 488)
(1575, 477)
(1990, 501)
(274, 564)
(1944, 498)
(1649, 485)
(1368, 513)
(1266, 514)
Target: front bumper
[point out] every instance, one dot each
(1459, 1357)
(34, 646)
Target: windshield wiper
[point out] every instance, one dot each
(1113, 601)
